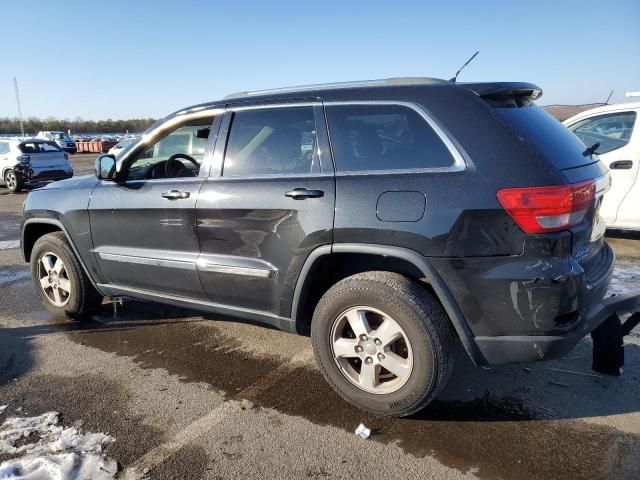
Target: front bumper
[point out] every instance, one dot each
(530, 348)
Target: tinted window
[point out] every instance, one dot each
(535, 126)
(384, 137)
(610, 131)
(271, 142)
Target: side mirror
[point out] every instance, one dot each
(106, 167)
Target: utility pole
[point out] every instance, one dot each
(15, 84)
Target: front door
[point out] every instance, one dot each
(614, 132)
(144, 227)
(268, 202)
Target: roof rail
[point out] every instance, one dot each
(327, 86)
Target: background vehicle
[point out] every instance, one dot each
(385, 218)
(121, 145)
(64, 141)
(614, 128)
(32, 162)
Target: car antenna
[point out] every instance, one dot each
(455, 77)
(608, 98)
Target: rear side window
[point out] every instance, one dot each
(38, 147)
(384, 137)
(611, 131)
(4, 148)
(273, 141)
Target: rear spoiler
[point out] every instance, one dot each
(494, 90)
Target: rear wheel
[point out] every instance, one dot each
(383, 343)
(61, 283)
(13, 180)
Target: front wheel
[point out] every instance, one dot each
(13, 181)
(383, 343)
(59, 280)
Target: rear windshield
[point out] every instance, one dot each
(552, 138)
(38, 147)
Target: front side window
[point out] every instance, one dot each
(611, 131)
(176, 154)
(271, 141)
(384, 137)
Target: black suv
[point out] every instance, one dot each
(385, 218)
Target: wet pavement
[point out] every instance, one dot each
(197, 396)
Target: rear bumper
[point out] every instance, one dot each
(531, 308)
(530, 348)
(39, 177)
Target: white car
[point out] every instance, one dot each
(615, 128)
(64, 141)
(121, 145)
(30, 162)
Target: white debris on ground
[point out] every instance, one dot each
(38, 449)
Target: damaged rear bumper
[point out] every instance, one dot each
(529, 348)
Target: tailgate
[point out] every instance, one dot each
(42, 160)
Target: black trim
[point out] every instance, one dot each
(419, 261)
(57, 223)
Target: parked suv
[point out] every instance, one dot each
(31, 162)
(387, 219)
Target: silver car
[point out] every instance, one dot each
(31, 162)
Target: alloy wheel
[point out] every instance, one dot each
(54, 280)
(371, 350)
(10, 180)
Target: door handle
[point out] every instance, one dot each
(621, 165)
(302, 193)
(175, 195)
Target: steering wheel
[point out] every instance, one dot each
(168, 166)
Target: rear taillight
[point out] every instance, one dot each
(24, 158)
(548, 209)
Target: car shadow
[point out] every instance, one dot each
(560, 389)
(514, 421)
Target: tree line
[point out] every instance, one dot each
(33, 125)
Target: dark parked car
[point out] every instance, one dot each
(386, 219)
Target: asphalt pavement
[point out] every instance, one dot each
(188, 395)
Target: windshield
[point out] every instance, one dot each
(125, 143)
(60, 136)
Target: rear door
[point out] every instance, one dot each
(614, 132)
(268, 202)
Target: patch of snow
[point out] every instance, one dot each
(3, 408)
(626, 278)
(9, 244)
(42, 449)
(9, 276)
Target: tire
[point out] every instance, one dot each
(425, 338)
(77, 298)
(13, 181)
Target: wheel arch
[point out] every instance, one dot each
(34, 228)
(396, 259)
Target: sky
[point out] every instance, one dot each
(125, 59)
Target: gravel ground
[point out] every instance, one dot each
(191, 396)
